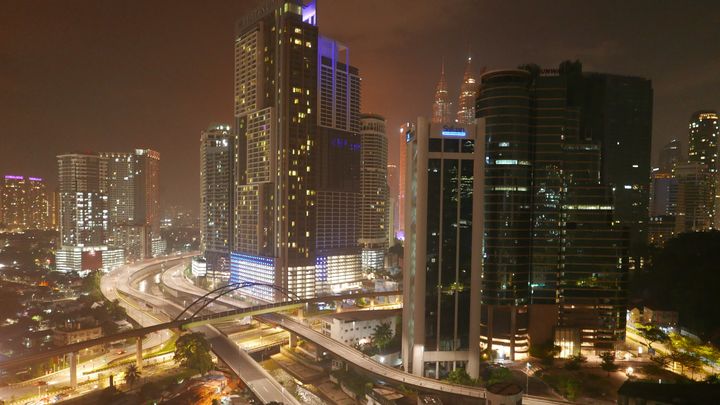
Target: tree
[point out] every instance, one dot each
(193, 351)
(460, 376)
(651, 334)
(608, 362)
(498, 375)
(382, 335)
(546, 352)
(132, 375)
(575, 362)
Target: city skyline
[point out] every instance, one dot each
(142, 106)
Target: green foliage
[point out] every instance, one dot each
(132, 375)
(546, 352)
(608, 362)
(498, 375)
(651, 334)
(193, 351)
(382, 335)
(460, 376)
(681, 275)
(488, 355)
(575, 362)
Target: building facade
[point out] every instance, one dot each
(24, 203)
(375, 208)
(443, 248)
(297, 154)
(468, 95)
(704, 131)
(216, 199)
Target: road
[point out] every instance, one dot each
(176, 280)
(107, 286)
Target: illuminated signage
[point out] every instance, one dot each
(10, 177)
(453, 131)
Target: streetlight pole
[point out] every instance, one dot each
(527, 378)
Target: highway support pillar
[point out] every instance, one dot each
(138, 353)
(338, 306)
(293, 340)
(372, 303)
(301, 314)
(73, 369)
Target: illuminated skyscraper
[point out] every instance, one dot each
(695, 202)
(374, 208)
(147, 189)
(468, 95)
(24, 203)
(84, 214)
(216, 199)
(441, 113)
(287, 113)
(703, 150)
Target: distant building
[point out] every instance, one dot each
(216, 199)
(441, 108)
(374, 208)
(468, 95)
(660, 317)
(24, 203)
(704, 131)
(695, 197)
(670, 155)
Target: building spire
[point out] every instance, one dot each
(468, 94)
(441, 104)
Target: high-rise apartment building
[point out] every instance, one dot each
(374, 210)
(297, 153)
(443, 248)
(133, 193)
(468, 95)
(695, 197)
(216, 199)
(393, 190)
(24, 203)
(703, 149)
(147, 189)
(84, 214)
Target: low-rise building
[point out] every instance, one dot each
(357, 327)
(660, 317)
(74, 333)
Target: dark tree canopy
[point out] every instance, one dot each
(683, 275)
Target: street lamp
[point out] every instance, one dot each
(527, 378)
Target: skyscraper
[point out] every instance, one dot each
(374, 210)
(405, 131)
(147, 189)
(441, 108)
(617, 114)
(695, 199)
(703, 150)
(468, 95)
(555, 260)
(297, 103)
(216, 199)
(24, 203)
(670, 155)
(443, 249)
(83, 213)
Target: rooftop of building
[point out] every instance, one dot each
(363, 315)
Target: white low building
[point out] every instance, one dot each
(357, 327)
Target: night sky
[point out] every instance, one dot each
(98, 75)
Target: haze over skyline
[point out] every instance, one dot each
(111, 76)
